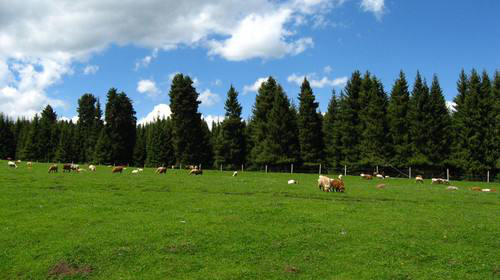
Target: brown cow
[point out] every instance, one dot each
(196, 171)
(117, 169)
(67, 167)
(366, 176)
(53, 168)
(161, 170)
(337, 185)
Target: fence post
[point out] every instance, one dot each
(221, 167)
(345, 170)
(447, 174)
(291, 169)
(377, 169)
(242, 168)
(409, 172)
(320, 169)
(266, 168)
(488, 176)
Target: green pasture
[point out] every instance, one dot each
(254, 226)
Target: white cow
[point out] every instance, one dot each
(291, 182)
(12, 164)
(235, 173)
(92, 167)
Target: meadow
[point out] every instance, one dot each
(253, 226)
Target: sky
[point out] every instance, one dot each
(52, 52)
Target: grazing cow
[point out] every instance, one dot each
(419, 179)
(136, 171)
(29, 164)
(18, 161)
(292, 182)
(477, 189)
(92, 168)
(67, 167)
(439, 181)
(380, 176)
(161, 170)
(380, 186)
(452, 188)
(366, 176)
(488, 190)
(12, 164)
(140, 169)
(387, 176)
(196, 171)
(324, 183)
(53, 168)
(117, 169)
(337, 185)
(235, 173)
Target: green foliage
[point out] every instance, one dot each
(398, 123)
(332, 137)
(140, 150)
(66, 150)
(32, 146)
(420, 119)
(48, 135)
(439, 128)
(309, 125)
(7, 140)
(229, 144)
(159, 138)
(89, 125)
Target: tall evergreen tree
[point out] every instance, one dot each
(331, 133)
(119, 130)
(140, 148)
(309, 124)
(230, 145)
(48, 134)
(420, 119)
(65, 151)
(7, 140)
(397, 120)
(160, 150)
(32, 146)
(373, 136)
(439, 128)
(460, 152)
(189, 139)
(496, 118)
(349, 121)
(89, 125)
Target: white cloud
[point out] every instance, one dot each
(74, 119)
(328, 69)
(211, 118)
(377, 7)
(217, 83)
(208, 98)
(451, 106)
(317, 82)
(90, 69)
(160, 111)
(148, 87)
(145, 61)
(254, 87)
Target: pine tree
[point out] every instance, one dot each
(7, 140)
(32, 145)
(309, 125)
(349, 122)
(160, 150)
(140, 150)
(188, 135)
(397, 120)
(230, 144)
(373, 123)
(460, 152)
(119, 130)
(331, 133)
(439, 141)
(65, 152)
(420, 119)
(47, 136)
(496, 118)
(89, 125)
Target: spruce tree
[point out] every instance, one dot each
(420, 119)
(47, 137)
(373, 136)
(140, 148)
(89, 125)
(397, 120)
(7, 140)
(439, 128)
(160, 150)
(331, 133)
(349, 122)
(309, 125)
(32, 145)
(230, 144)
(496, 118)
(65, 152)
(460, 152)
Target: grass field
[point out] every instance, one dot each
(253, 226)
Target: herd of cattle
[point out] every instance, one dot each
(325, 183)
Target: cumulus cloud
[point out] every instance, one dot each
(451, 106)
(208, 98)
(212, 118)
(90, 69)
(317, 82)
(377, 7)
(217, 83)
(145, 61)
(254, 87)
(160, 111)
(148, 87)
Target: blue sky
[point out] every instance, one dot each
(137, 49)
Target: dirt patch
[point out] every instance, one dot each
(64, 269)
(291, 269)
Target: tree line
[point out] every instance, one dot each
(364, 126)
